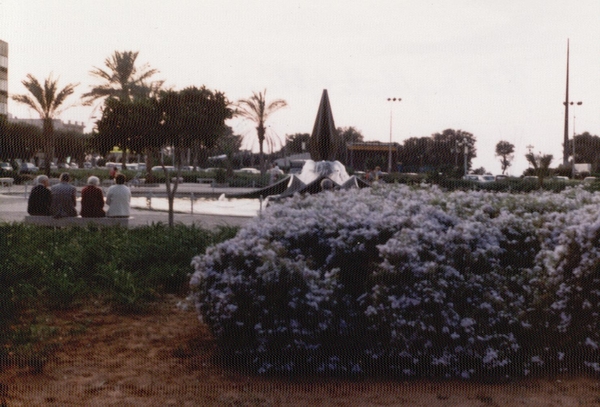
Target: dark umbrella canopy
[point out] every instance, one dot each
(324, 140)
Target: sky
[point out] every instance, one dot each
(495, 69)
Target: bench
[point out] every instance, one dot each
(205, 180)
(7, 182)
(74, 221)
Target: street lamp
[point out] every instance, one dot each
(456, 151)
(466, 143)
(573, 172)
(391, 100)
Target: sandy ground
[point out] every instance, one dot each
(165, 358)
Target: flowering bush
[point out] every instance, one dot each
(409, 281)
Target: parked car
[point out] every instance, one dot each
(247, 170)
(560, 178)
(169, 168)
(480, 178)
(486, 178)
(28, 168)
(5, 167)
(589, 179)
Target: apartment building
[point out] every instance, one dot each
(3, 78)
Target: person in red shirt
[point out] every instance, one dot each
(113, 173)
(92, 200)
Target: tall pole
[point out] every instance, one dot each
(573, 171)
(566, 136)
(391, 100)
(390, 146)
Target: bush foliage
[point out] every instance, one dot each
(59, 268)
(410, 281)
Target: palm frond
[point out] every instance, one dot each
(29, 101)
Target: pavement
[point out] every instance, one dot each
(13, 205)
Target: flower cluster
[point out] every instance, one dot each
(409, 281)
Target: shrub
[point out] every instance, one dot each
(409, 281)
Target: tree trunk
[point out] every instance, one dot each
(48, 133)
(261, 139)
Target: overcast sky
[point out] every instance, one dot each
(493, 68)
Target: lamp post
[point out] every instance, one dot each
(465, 143)
(391, 100)
(573, 171)
(455, 150)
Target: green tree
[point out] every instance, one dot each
(18, 140)
(131, 125)
(296, 143)
(541, 165)
(442, 152)
(587, 149)
(48, 101)
(347, 135)
(71, 145)
(256, 109)
(190, 117)
(122, 79)
(505, 151)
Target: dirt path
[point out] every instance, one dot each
(164, 358)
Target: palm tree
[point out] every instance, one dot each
(47, 101)
(122, 79)
(258, 110)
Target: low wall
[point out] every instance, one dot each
(74, 221)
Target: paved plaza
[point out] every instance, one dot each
(13, 205)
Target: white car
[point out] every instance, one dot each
(247, 170)
(169, 168)
(480, 178)
(28, 168)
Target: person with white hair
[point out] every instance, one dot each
(118, 198)
(40, 198)
(92, 199)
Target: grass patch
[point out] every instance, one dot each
(44, 269)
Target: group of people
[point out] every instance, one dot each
(60, 200)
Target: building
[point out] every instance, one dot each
(3, 78)
(59, 125)
(363, 156)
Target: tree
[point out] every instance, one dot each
(442, 152)
(47, 101)
(256, 109)
(347, 135)
(541, 165)
(131, 125)
(505, 151)
(68, 144)
(176, 119)
(18, 140)
(587, 150)
(122, 79)
(296, 143)
(188, 118)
